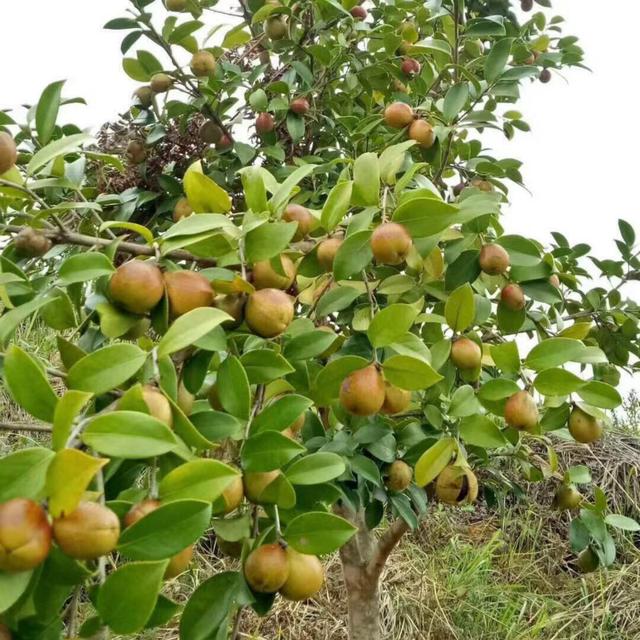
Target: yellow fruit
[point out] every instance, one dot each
(583, 427)
(267, 568)
(182, 209)
(137, 286)
(398, 115)
(266, 277)
(400, 476)
(203, 64)
(185, 399)
(521, 411)
(512, 296)
(301, 215)
(179, 563)
(233, 304)
(362, 393)
(187, 290)
(269, 312)
(466, 354)
(276, 28)
(483, 185)
(8, 152)
(159, 406)
(396, 400)
(456, 486)
(306, 576)
(494, 260)
(256, 483)
(233, 495)
(139, 511)
(422, 132)
(567, 497)
(390, 243)
(326, 252)
(161, 83)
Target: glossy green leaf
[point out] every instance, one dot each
(366, 180)
(83, 267)
(233, 388)
(391, 323)
(460, 308)
(281, 413)
(336, 206)
(268, 240)
(318, 533)
(23, 473)
(480, 431)
(434, 460)
(410, 373)
(197, 480)
(189, 328)
(269, 450)
(353, 255)
(47, 111)
(316, 468)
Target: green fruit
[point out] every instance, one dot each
(587, 561)
(306, 576)
(203, 64)
(182, 209)
(276, 28)
(255, 484)
(583, 427)
(399, 476)
(567, 497)
(161, 83)
(143, 96)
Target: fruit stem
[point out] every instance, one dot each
(276, 518)
(153, 479)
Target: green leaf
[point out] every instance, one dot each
(255, 192)
(269, 450)
(622, 522)
(464, 402)
(128, 597)
(57, 148)
(455, 100)
(506, 356)
(366, 180)
(67, 410)
(202, 223)
(426, 216)
(557, 382)
(295, 127)
(336, 206)
(23, 474)
(281, 413)
(283, 194)
(316, 469)
(353, 255)
(12, 586)
(134, 69)
(460, 308)
(554, 352)
(189, 328)
(197, 480)
(600, 394)
(10, 320)
(391, 324)
(480, 431)
(434, 460)
(336, 299)
(233, 388)
(106, 369)
(205, 195)
(47, 111)
(268, 240)
(497, 59)
(28, 384)
(308, 345)
(265, 365)
(392, 160)
(410, 373)
(83, 267)
(579, 474)
(318, 533)
(129, 434)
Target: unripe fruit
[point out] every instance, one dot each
(25, 535)
(457, 486)
(583, 427)
(300, 106)
(176, 5)
(203, 64)
(526, 5)
(396, 400)
(225, 143)
(266, 277)
(512, 296)
(301, 215)
(326, 253)
(8, 152)
(466, 354)
(256, 483)
(210, 132)
(400, 476)
(483, 185)
(521, 411)
(136, 152)
(161, 83)
(587, 561)
(473, 48)
(494, 259)
(554, 280)
(276, 28)
(233, 495)
(182, 209)
(88, 532)
(306, 576)
(359, 13)
(409, 32)
(399, 86)
(137, 286)
(179, 563)
(30, 243)
(398, 115)
(185, 399)
(267, 568)
(187, 290)
(362, 392)
(139, 511)
(159, 407)
(233, 304)
(269, 312)
(422, 132)
(410, 67)
(143, 96)
(567, 497)
(390, 243)
(545, 76)
(265, 123)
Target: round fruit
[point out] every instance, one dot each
(526, 5)
(466, 354)
(185, 399)
(233, 304)
(143, 96)
(326, 252)
(483, 185)
(233, 495)
(210, 132)
(25, 535)
(494, 260)
(137, 286)
(159, 406)
(269, 312)
(30, 243)
(161, 83)
(554, 280)
(266, 277)
(214, 398)
(139, 511)
(88, 532)
(396, 400)
(300, 106)
(456, 486)
(422, 132)
(267, 568)
(583, 427)
(179, 563)
(545, 76)
(265, 123)
(398, 115)
(390, 243)
(567, 497)
(276, 28)
(400, 476)
(459, 188)
(306, 576)
(225, 143)
(203, 64)
(410, 67)
(362, 392)
(256, 483)
(182, 209)
(587, 561)
(187, 290)
(359, 13)
(8, 152)
(301, 215)
(521, 411)
(409, 32)
(136, 152)
(176, 5)
(512, 296)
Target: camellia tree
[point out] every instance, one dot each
(285, 304)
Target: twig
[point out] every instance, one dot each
(20, 426)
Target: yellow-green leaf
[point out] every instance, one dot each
(204, 195)
(434, 460)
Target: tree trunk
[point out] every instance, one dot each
(364, 603)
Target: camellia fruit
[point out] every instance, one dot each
(269, 312)
(161, 83)
(25, 535)
(276, 28)
(139, 511)
(554, 280)
(267, 568)
(583, 427)
(410, 67)
(265, 123)
(399, 476)
(483, 185)
(182, 209)
(521, 411)
(5, 633)
(545, 76)
(587, 561)
(391, 243)
(203, 64)
(137, 286)
(297, 213)
(8, 152)
(396, 400)
(256, 482)
(266, 277)
(494, 259)
(306, 576)
(362, 392)
(233, 304)
(186, 291)
(456, 486)
(143, 96)
(398, 115)
(233, 494)
(89, 532)
(30, 243)
(359, 13)
(326, 253)
(136, 152)
(159, 406)
(185, 399)
(512, 296)
(300, 106)
(526, 5)
(225, 143)
(466, 354)
(567, 497)
(422, 132)
(210, 132)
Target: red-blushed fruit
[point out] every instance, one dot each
(267, 568)
(143, 97)
(300, 106)
(399, 476)
(136, 152)
(545, 76)
(567, 497)
(398, 115)
(362, 392)
(521, 411)
(25, 535)
(187, 290)
(494, 259)
(306, 576)
(8, 152)
(554, 280)
(137, 286)
(182, 209)
(159, 406)
(139, 511)
(466, 354)
(459, 188)
(410, 67)
(583, 427)
(233, 495)
(269, 312)
(203, 64)
(89, 532)
(422, 132)
(266, 277)
(456, 486)
(255, 483)
(512, 297)
(179, 563)
(390, 243)
(396, 400)
(224, 143)
(161, 83)
(326, 252)
(297, 213)
(359, 13)
(265, 123)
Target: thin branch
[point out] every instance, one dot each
(386, 545)
(22, 426)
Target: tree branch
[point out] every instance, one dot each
(23, 426)
(386, 545)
